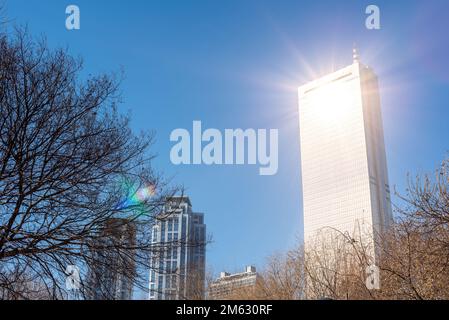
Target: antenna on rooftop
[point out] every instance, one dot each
(355, 54)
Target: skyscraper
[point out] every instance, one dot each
(112, 269)
(177, 269)
(343, 163)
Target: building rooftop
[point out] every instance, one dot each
(225, 276)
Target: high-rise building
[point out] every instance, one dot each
(112, 268)
(177, 269)
(343, 163)
(228, 284)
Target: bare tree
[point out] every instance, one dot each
(69, 163)
(415, 254)
(335, 264)
(282, 277)
(412, 256)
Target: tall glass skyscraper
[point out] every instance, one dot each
(343, 163)
(178, 264)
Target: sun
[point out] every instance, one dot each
(332, 102)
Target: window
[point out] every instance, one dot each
(169, 253)
(176, 224)
(163, 232)
(168, 284)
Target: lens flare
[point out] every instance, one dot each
(144, 194)
(136, 196)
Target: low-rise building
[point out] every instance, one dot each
(229, 286)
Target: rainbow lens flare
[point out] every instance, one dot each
(136, 197)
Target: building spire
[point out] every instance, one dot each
(355, 54)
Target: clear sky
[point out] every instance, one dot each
(237, 64)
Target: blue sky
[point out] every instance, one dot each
(237, 64)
